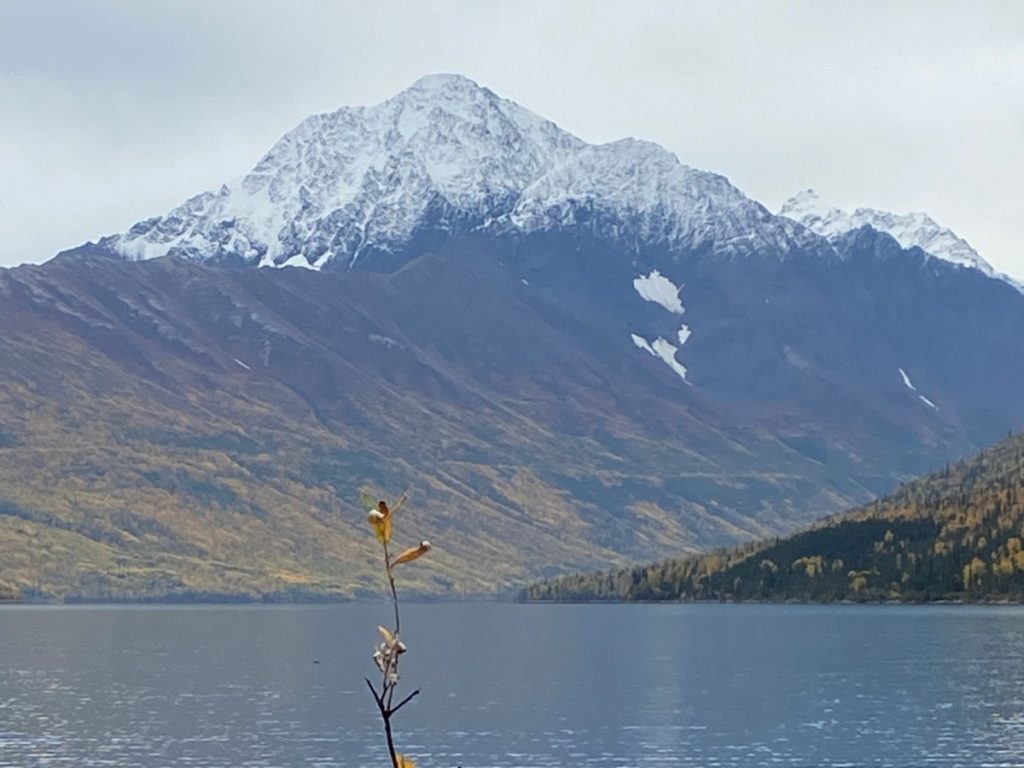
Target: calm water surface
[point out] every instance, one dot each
(511, 685)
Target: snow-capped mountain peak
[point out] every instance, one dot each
(909, 230)
(443, 156)
(365, 178)
(809, 209)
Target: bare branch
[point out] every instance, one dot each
(403, 702)
(376, 698)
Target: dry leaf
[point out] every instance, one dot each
(381, 526)
(412, 553)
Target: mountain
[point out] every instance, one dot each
(911, 230)
(175, 429)
(443, 155)
(953, 535)
(576, 356)
(446, 156)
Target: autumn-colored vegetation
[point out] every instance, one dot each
(112, 488)
(170, 431)
(954, 535)
(8, 592)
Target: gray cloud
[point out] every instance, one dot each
(114, 111)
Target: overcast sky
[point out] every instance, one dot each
(111, 112)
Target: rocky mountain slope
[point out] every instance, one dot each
(170, 428)
(576, 356)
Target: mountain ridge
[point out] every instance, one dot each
(910, 230)
(448, 156)
(368, 185)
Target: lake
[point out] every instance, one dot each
(515, 685)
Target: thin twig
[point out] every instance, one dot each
(376, 698)
(394, 590)
(403, 702)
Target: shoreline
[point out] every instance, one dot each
(484, 599)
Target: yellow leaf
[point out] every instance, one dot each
(381, 526)
(412, 553)
(405, 762)
(389, 637)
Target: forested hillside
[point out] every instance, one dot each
(953, 535)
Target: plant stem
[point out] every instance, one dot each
(388, 688)
(394, 591)
(385, 714)
(391, 741)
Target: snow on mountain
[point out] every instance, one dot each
(449, 155)
(363, 178)
(637, 191)
(909, 230)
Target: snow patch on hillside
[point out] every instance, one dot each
(910, 385)
(665, 351)
(906, 381)
(641, 342)
(298, 260)
(659, 289)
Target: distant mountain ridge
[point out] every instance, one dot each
(910, 230)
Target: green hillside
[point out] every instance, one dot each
(953, 535)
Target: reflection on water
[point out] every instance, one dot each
(510, 685)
